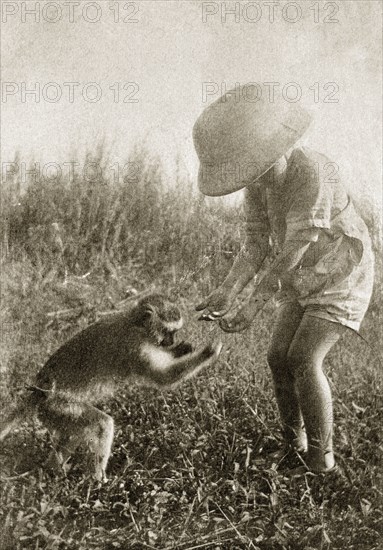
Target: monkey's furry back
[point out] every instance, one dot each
(95, 358)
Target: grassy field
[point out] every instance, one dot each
(191, 467)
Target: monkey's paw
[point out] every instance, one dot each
(183, 348)
(212, 351)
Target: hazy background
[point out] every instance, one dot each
(191, 468)
(169, 53)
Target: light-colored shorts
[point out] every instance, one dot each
(345, 302)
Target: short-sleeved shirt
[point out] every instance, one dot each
(334, 278)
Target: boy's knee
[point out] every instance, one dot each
(298, 363)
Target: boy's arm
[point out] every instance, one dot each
(256, 246)
(247, 263)
(279, 270)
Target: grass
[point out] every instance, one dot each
(190, 467)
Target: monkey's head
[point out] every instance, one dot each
(161, 317)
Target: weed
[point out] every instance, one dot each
(189, 467)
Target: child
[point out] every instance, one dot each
(320, 266)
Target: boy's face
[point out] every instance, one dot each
(275, 175)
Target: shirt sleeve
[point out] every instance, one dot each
(310, 199)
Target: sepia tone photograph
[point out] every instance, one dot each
(191, 275)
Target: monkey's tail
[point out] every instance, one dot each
(25, 409)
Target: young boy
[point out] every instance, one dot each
(300, 219)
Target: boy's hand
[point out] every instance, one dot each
(244, 316)
(218, 303)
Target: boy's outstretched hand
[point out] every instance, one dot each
(218, 303)
(237, 323)
(244, 316)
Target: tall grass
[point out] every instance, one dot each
(189, 469)
(64, 241)
(141, 220)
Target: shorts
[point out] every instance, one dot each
(345, 302)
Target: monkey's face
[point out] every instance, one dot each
(163, 319)
(168, 338)
(166, 330)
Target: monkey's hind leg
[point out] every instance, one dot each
(99, 437)
(74, 424)
(64, 445)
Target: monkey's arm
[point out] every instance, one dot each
(161, 369)
(183, 348)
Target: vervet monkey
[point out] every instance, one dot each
(133, 345)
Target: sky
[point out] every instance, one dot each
(174, 57)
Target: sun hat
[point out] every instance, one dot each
(240, 136)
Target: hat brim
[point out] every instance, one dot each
(215, 180)
(211, 183)
(231, 160)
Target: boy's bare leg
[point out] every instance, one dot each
(311, 343)
(289, 317)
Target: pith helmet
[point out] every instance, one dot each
(240, 136)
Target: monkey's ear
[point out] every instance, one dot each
(149, 311)
(145, 314)
(141, 315)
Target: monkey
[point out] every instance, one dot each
(137, 344)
